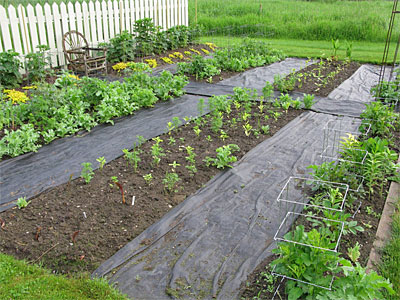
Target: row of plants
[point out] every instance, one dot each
(243, 100)
(246, 55)
(72, 104)
(313, 264)
(147, 39)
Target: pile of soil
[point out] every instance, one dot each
(76, 226)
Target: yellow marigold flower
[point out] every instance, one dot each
(16, 96)
(120, 66)
(167, 60)
(205, 51)
(188, 53)
(212, 46)
(178, 55)
(195, 51)
(172, 56)
(30, 87)
(152, 63)
(73, 76)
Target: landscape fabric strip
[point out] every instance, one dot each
(56, 163)
(207, 245)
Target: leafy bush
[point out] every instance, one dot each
(200, 67)
(146, 33)
(121, 47)
(19, 141)
(224, 156)
(9, 69)
(37, 63)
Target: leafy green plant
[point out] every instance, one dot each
(381, 118)
(121, 47)
(22, 203)
(19, 141)
(133, 157)
(157, 151)
(146, 33)
(148, 178)
(37, 63)
(102, 161)
(335, 48)
(224, 156)
(170, 181)
(87, 172)
(9, 69)
(191, 160)
(200, 67)
(308, 101)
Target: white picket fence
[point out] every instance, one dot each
(22, 29)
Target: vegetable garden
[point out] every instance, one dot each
(218, 168)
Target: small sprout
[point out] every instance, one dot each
(148, 178)
(174, 165)
(171, 141)
(197, 130)
(247, 129)
(208, 138)
(170, 181)
(87, 172)
(22, 203)
(102, 161)
(114, 180)
(265, 129)
(223, 136)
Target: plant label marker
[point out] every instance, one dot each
(133, 200)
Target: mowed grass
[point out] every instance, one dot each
(390, 260)
(19, 280)
(301, 20)
(365, 52)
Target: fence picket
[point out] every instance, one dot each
(105, 21)
(99, 28)
(78, 16)
(116, 18)
(5, 31)
(23, 29)
(110, 18)
(50, 34)
(163, 8)
(92, 19)
(15, 32)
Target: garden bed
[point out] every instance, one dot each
(76, 226)
(319, 79)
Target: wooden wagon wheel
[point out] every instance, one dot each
(74, 44)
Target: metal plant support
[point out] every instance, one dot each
(389, 65)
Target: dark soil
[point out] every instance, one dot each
(318, 78)
(76, 226)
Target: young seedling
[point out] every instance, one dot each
(223, 136)
(247, 129)
(132, 157)
(197, 130)
(87, 172)
(174, 165)
(22, 203)
(191, 159)
(265, 129)
(208, 138)
(268, 91)
(176, 122)
(157, 151)
(171, 141)
(308, 101)
(201, 106)
(224, 156)
(170, 181)
(148, 178)
(102, 161)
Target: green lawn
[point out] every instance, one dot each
(19, 280)
(390, 261)
(365, 52)
(302, 20)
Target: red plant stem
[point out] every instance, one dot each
(122, 191)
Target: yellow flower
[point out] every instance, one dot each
(120, 66)
(212, 46)
(73, 76)
(188, 53)
(178, 55)
(30, 87)
(205, 51)
(349, 141)
(16, 96)
(167, 60)
(195, 51)
(152, 63)
(172, 56)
